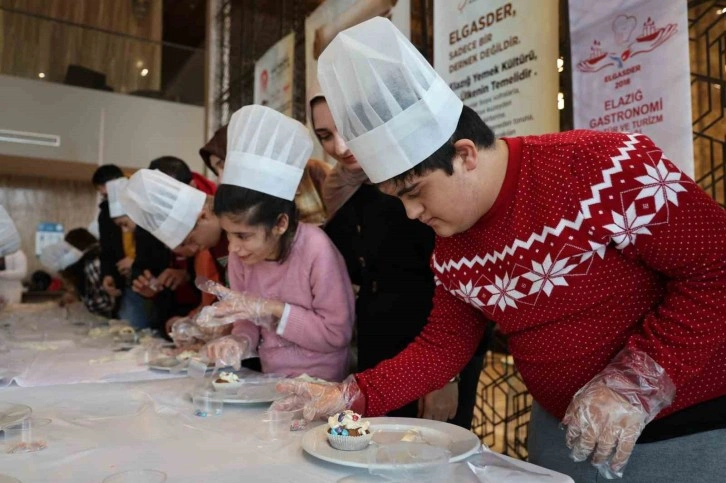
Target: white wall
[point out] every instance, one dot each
(98, 127)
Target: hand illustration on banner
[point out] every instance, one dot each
(649, 39)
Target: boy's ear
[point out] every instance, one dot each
(467, 151)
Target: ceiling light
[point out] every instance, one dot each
(144, 72)
(41, 75)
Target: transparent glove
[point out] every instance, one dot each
(229, 350)
(184, 331)
(318, 400)
(231, 307)
(607, 415)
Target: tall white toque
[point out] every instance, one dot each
(266, 152)
(59, 256)
(114, 188)
(9, 236)
(388, 103)
(163, 206)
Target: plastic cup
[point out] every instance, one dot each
(137, 476)
(207, 403)
(26, 436)
(275, 425)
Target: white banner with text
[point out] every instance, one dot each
(630, 71)
(501, 59)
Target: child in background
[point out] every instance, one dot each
(139, 311)
(183, 219)
(77, 261)
(292, 301)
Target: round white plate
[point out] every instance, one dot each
(253, 394)
(169, 364)
(459, 441)
(12, 413)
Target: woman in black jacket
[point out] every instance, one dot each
(387, 256)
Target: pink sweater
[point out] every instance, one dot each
(314, 334)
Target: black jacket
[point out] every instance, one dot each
(112, 248)
(387, 255)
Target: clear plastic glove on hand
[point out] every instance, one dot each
(440, 405)
(184, 331)
(607, 415)
(318, 400)
(231, 307)
(229, 350)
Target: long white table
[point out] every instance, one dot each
(47, 345)
(108, 414)
(100, 429)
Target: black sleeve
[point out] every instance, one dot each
(151, 254)
(112, 248)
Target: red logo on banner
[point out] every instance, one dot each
(627, 43)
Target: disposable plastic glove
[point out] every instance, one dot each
(184, 331)
(229, 350)
(231, 307)
(607, 415)
(319, 400)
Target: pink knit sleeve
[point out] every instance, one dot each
(249, 330)
(327, 325)
(446, 344)
(638, 201)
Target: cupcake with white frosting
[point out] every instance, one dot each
(348, 431)
(227, 382)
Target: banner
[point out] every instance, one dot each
(630, 71)
(332, 16)
(274, 74)
(47, 233)
(501, 59)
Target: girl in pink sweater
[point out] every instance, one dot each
(291, 297)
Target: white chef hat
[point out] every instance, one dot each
(59, 256)
(9, 236)
(388, 103)
(163, 206)
(266, 151)
(114, 188)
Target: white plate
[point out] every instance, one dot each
(169, 364)
(253, 394)
(459, 441)
(12, 413)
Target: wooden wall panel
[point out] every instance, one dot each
(31, 45)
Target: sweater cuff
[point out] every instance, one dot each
(283, 320)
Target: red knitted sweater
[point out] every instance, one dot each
(596, 241)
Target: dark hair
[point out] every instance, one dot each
(81, 239)
(217, 146)
(106, 173)
(174, 167)
(314, 102)
(470, 126)
(40, 281)
(84, 241)
(255, 208)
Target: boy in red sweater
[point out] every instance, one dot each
(603, 264)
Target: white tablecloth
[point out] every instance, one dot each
(100, 429)
(43, 346)
(134, 423)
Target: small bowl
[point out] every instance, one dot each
(137, 476)
(27, 436)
